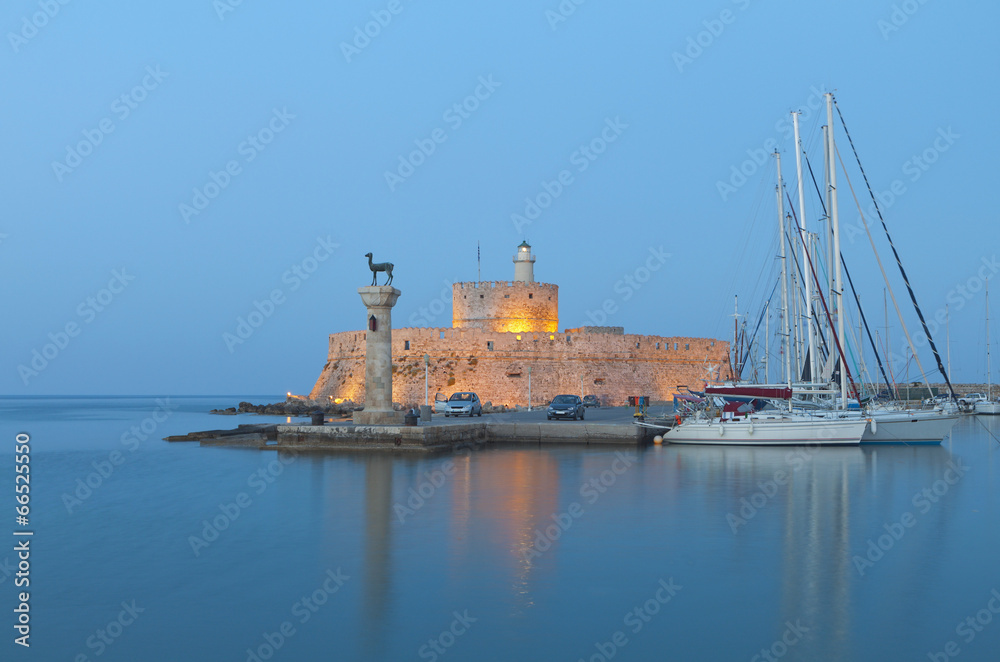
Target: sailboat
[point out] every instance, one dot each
(990, 406)
(771, 427)
(830, 420)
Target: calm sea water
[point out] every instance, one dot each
(177, 552)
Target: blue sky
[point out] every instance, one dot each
(287, 117)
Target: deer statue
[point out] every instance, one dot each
(379, 266)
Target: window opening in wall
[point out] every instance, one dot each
(489, 345)
(406, 344)
(712, 343)
(531, 295)
(675, 346)
(657, 345)
(442, 334)
(506, 296)
(518, 338)
(637, 345)
(480, 296)
(687, 346)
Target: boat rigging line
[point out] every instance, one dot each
(878, 357)
(865, 321)
(899, 313)
(760, 318)
(913, 297)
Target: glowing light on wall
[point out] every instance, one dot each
(517, 326)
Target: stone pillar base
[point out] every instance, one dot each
(378, 417)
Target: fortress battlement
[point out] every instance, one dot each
(493, 284)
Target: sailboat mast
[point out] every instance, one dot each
(989, 367)
(784, 277)
(797, 309)
(736, 336)
(947, 328)
(827, 160)
(888, 345)
(767, 339)
(805, 258)
(835, 222)
(861, 346)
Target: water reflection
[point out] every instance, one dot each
(793, 560)
(378, 552)
(816, 544)
(829, 503)
(790, 522)
(500, 498)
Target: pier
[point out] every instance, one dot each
(607, 425)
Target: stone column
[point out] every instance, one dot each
(378, 300)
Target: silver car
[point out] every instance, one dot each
(463, 403)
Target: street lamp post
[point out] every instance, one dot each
(427, 362)
(529, 388)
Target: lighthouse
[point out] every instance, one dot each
(524, 264)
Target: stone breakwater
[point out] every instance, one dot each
(297, 407)
(436, 437)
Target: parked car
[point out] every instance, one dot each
(973, 398)
(464, 402)
(565, 406)
(591, 401)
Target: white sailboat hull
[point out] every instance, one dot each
(768, 432)
(988, 408)
(909, 427)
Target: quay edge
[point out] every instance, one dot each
(445, 437)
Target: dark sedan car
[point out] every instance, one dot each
(591, 401)
(565, 406)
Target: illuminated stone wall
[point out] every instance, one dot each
(505, 306)
(495, 365)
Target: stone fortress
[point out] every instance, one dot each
(504, 342)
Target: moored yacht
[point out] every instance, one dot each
(769, 429)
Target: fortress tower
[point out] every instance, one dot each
(517, 306)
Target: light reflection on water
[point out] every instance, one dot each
(471, 537)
